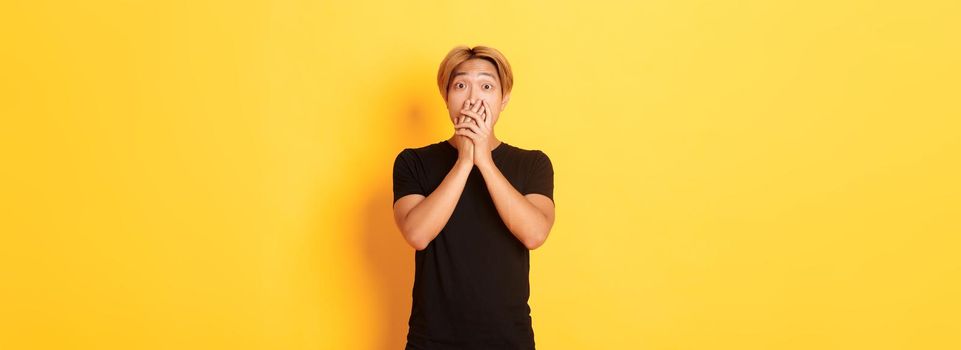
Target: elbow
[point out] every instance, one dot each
(415, 241)
(536, 239)
(536, 242)
(539, 237)
(418, 245)
(414, 235)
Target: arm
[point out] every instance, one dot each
(529, 217)
(420, 218)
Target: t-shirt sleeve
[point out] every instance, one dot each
(405, 180)
(541, 177)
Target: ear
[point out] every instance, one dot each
(506, 99)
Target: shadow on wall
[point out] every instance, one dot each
(404, 115)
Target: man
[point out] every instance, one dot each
(473, 207)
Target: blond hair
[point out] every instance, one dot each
(463, 53)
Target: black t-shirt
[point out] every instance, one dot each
(471, 283)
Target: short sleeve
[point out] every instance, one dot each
(405, 180)
(541, 177)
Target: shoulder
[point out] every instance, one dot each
(429, 147)
(531, 155)
(428, 151)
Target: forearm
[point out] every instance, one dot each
(425, 221)
(524, 220)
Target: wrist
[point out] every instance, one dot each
(464, 163)
(483, 162)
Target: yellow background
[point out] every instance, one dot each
(728, 174)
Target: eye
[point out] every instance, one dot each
(459, 85)
(488, 86)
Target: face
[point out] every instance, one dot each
(475, 79)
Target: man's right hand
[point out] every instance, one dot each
(464, 145)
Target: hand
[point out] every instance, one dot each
(465, 148)
(478, 127)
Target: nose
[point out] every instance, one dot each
(474, 96)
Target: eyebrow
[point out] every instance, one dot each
(481, 73)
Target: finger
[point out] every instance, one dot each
(470, 111)
(470, 134)
(473, 115)
(472, 119)
(490, 115)
(466, 106)
(470, 126)
(478, 110)
(464, 132)
(484, 123)
(482, 117)
(468, 123)
(477, 106)
(482, 112)
(487, 115)
(462, 126)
